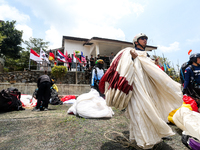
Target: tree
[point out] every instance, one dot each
(36, 44)
(11, 40)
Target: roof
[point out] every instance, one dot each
(93, 39)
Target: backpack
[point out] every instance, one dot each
(55, 100)
(182, 70)
(10, 100)
(97, 81)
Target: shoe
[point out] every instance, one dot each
(36, 109)
(45, 109)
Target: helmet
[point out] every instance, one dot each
(99, 61)
(193, 57)
(135, 39)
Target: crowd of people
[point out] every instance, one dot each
(90, 62)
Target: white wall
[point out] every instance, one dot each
(72, 46)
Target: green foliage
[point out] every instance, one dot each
(59, 71)
(18, 64)
(5, 69)
(36, 44)
(10, 39)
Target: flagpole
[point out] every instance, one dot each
(76, 71)
(29, 64)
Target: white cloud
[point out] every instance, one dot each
(11, 13)
(27, 31)
(172, 47)
(88, 30)
(192, 41)
(83, 18)
(54, 37)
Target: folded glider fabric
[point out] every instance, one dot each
(188, 121)
(148, 93)
(91, 105)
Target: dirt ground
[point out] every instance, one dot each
(55, 129)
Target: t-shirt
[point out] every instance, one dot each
(92, 62)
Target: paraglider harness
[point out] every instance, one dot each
(192, 85)
(10, 100)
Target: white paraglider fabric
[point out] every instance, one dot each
(151, 96)
(188, 121)
(91, 105)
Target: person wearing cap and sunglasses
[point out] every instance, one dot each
(133, 82)
(140, 42)
(192, 77)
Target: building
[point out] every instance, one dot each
(94, 46)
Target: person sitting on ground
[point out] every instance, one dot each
(192, 77)
(97, 73)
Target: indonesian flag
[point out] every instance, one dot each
(61, 56)
(35, 56)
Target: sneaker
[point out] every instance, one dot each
(36, 109)
(45, 109)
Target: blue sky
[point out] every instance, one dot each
(171, 25)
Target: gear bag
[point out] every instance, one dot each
(55, 100)
(182, 70)
(10, 100)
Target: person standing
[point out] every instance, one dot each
(87, 65)
(192, 77)
(69, 59)
(97, 73)
(111, 57)
(134, 83)
(92, 62)
(44, 84)
(98, 56)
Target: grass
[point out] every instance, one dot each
(55, 129)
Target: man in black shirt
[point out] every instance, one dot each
(44, 84)
(92, 63)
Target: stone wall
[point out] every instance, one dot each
(63, 89)
(32, 76)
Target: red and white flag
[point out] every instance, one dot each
(35, 56)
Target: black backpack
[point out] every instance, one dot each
(55, 100)
(10, 100)
(182, 70)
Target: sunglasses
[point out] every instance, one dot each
(143, 38)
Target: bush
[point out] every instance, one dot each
(5, 69)
(59, 71)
